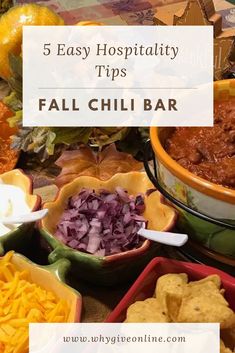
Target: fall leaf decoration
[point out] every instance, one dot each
(5, 113)
(103, 136)
(202, 12)
(4, 6)
(102, 165)
(8, 158)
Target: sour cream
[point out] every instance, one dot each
(12, 203)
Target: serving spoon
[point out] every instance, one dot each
(26, 218)
(167, 238)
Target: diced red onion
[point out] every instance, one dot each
(102, 223)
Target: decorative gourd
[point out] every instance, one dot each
(11, 24)
(89, 23)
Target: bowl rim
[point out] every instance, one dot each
(37, 204)
(115, 257)
(29, 180)
(186, 267)
(202, 185)
(58, 270)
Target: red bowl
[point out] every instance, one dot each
(144, 286)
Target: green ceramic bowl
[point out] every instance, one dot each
(19, 237)
(114, 269)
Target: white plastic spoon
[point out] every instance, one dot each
(173, 239)
(26, 218)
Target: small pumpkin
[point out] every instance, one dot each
(11, 24)
(89, 23)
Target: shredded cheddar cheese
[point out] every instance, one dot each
(23, 302)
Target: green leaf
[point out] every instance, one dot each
(13, 102)
(16, 119)
(39, 140)
(4, 89)
(5, 5)
(71, 135)
(134, 142)
(105, 136)
(16, 65)
(50, 143)
(144, 133)
(15, 82)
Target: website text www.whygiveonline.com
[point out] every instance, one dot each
(118, 339)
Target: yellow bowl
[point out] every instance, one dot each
(198, 194)
(89, 23)
(114, 268)
(52, 278)
(18, 238)
(222, 91)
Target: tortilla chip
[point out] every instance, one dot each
(149, 310)
(169, 291)
(171, 283)
(194, 302)
(207, 289)
(203, 309)
(173, 303)
(213, 278)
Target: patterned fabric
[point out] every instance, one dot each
(122, 12)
